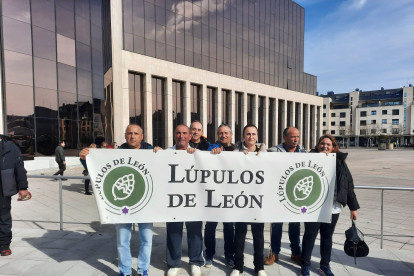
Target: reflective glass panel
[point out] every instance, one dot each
(65, 22)
(47, 136)
(18, 68)
(44, 43)
(82, 8)
(46, 103)
(66, 50)
(14, 104)
(66, 78)
(43, 14)
(83, 56)
(84, 82)
(17, 36)
(19, 10)
(45, 73)
(83, 33)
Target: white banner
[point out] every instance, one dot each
(132, 186)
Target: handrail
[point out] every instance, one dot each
(382, 188)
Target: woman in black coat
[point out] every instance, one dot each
(344, 195)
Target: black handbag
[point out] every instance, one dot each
(355, 245)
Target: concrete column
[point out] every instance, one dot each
(255, 111)
(265, 138)
(187, 103)
(120, 88)
(244, 116)
(299, 114)
(168, 107)
(232, 106)
(147, 89)
(292, 113)
(217, 106)
(204, 107)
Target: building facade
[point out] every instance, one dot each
(82, 70)
(363, 116)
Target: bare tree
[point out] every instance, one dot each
(398, 132)
(346, 133)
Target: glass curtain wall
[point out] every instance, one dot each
(211, 114)
(196, 102)
(53, 60)
(238, 116)
(158, 116)
(178, 103)
(261, 41)
(250, 101)
(261, 119)
(136, 99)
(226, 108)
(272, 123)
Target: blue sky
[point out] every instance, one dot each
(365, 44)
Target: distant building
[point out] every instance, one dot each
(364, 115)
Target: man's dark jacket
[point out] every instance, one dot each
(13, 173)
(59, 154)
(344, 183)
(203, 145)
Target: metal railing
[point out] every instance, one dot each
(382, 188)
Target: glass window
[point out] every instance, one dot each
(66, 78)
(84, 82)
(45, 73)
(18, 68)
(178, 103)
(65, 24)
(395, 121)
(332, 132)
(97, 62)
(17, 36)
(373, 112)
(44, 43)
(98, 86)
(66, 50)
(158, 114)
(96, 34)
(211, 114)
(19, 10)
(83, 56)
(45, 103)
(384, 121)
(363, 114)
(67, 4)
(384, 112)
(332, 123)
(96, 9)
(342, 123)
(395, 112)
(68, 108)
(195, 102)
(83, 33)
(332, 114)
(14, 95)
(324, 115)
(342, 114)
(43, 14)
(82, 8)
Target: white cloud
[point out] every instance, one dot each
(364, 44)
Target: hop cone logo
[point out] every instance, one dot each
(303, 188)
(123, 187)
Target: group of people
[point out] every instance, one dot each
(191, 139)
(13, 180)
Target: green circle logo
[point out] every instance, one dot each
(303, 188)
(124, 186)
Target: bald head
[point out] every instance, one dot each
(196, 129)
(134, 136)
(182, 137)
(291, 137)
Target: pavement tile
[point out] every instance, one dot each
(51, 268)
(18, 266)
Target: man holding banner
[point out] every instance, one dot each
(224, 136)
(182, 136)
(133, 136)
(291, 138)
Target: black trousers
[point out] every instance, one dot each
(5, 219)
(309, 237)
(210, 238)
(258, 245)
(62, 168)
(194, 241)
(87, 182)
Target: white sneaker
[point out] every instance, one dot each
(195, 270)
(235, 272)
(173, 271)
(261, 273)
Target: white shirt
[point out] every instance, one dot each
(336, 207)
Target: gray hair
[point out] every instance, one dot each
(224, 125)
(142, 131)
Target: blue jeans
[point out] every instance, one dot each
(294, 237)
(123, 238)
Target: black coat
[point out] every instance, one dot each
(344, 183)
(13, 174)
(203, 145)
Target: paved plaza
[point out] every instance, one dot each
(87, 248)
